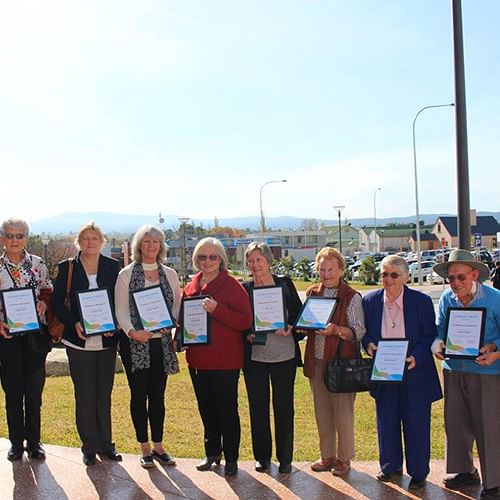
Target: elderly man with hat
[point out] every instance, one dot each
(471, 386)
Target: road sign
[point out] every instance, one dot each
(478, 239)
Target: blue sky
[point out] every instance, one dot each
(188, 107)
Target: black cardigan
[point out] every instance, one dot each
(293, 306)
(107, 273)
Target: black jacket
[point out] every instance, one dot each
(107, 273)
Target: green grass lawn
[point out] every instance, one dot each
(183, 430)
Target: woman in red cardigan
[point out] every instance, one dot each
(334, 412)
(215, 368)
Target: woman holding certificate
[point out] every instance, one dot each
(271, 360)
(215, 367)
(91, 357)
(147, 352)
(398, 312)
(22, 354)
(334, 412)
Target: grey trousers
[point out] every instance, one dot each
(93, 374)
(472, 413)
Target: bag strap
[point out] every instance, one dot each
(341, 345)
(70, 277)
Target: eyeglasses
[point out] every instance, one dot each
(392, 275)
(459, 277)
(11, 236)
(212, 257)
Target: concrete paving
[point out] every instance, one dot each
(63, 476)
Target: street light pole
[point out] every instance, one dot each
(375, 215)
(183, 221)
(339, 209)
(262, 218)
(417, 212)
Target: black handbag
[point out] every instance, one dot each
(348, 375)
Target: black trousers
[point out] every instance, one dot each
(93, 374)
(282, 378)
(217, 395)
(22, 373)
(147, 391)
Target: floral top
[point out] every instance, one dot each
(30, 272)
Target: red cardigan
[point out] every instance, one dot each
(232, 315)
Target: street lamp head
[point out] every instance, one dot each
(339, 207)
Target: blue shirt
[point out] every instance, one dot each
(487, 297)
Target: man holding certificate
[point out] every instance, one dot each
(398, 312)
(469, 314)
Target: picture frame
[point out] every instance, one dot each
(152, 309)
(389, 363)
(464, 332)
(19, 306)
(96, 311)
(316, 313)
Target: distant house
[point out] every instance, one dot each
(391, 239)
(350, 238)
(428, 240)
(446, 230)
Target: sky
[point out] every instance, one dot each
(188, 107)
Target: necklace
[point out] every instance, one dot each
(393, 322)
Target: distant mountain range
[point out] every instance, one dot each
(69, 222)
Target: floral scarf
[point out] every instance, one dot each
(139, 353)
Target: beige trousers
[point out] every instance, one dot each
(334, 418)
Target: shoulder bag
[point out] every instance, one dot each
(56, 327)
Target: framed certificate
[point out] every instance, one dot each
(152, 309)
(19, 305)
(316, 313)
(96, 313)
(389, 363)
(195, 322)
(464, 332)
(268, 307)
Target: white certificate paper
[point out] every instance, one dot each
(316, 313)
(268, 309)
(195, 324)
(152, 308)
(389, 364)
(20, 311)
(96, 312)
(464, 333)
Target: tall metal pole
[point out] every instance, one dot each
(463, 197)
(417, 212)
(262, 218)
(375, 216)
(339, 209)
(182, 236)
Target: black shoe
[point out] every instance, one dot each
(113, 455)
(285, 468)
(493, 493)
(261, 465)
(462, 479)
(416, 484)
(231, 468)
(163, 458)
(147, 462)
(15, 454)
(387, 476)
(35, 451)
(206, 463)
(88, 459)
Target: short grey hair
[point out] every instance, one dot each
(396, 261)
(220, 250)
(153, 232)
(17, 223)
(89, 226)
(263, 248)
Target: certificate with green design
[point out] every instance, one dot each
(316, 313)
(389, 363)
(152, 309)
(96, 313)
(19, 307)
(464, 332)
(268, 305)
(195, 322)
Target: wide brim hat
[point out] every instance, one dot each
(462, 257)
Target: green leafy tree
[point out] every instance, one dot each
(368, 272)
(303, 269)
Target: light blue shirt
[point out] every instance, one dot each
(487, 297)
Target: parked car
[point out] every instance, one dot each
(426, 266)
(433, 278)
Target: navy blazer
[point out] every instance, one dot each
(422, 383)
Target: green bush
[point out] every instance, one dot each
(368, 272)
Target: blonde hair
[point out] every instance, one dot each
(262, 247)
(331, 253)
(89, 226)
(141, 233)
(220, 250)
